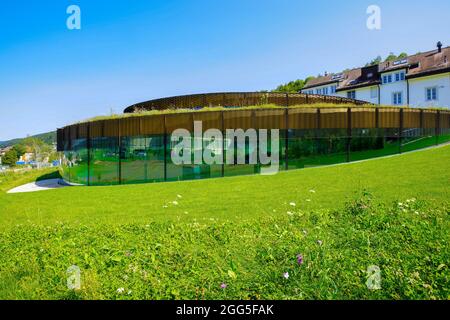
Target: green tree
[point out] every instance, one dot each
(309, 79)
(291, 87)
(10, 158)
(20, 149)
(390, 57)
(374, 62)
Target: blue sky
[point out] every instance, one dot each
(131, 51)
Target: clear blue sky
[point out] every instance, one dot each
(131, 51)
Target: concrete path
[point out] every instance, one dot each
(38, 186)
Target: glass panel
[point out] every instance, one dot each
(444, 136)
(414, 139)
(232, 168)
(275, 156)
(142, 159)
(175, 171)
(79, 162)
(311, 148)
(372, 143)
(65, 168)
(203, 171)
(104, 168)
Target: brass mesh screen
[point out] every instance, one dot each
(298, 118)
(363, 118)
(96, 129)
(210, 120)
(152, 124)
(445, 120)
(411, 118)
(270, 119)
(279, 99)
(130, 127)
(73, 132)
(59, 139)
(179, 121)
(237, 99)
(305, 118)
(83, 130)
(429, 119)
(237, 119)
(389, 118)
(333, 118)
(111, 128)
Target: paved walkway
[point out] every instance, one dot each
(38, 186)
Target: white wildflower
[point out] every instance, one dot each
(120, 290)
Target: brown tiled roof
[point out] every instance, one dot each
(429, 62)
(418, 65)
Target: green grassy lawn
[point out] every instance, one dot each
(182, 240)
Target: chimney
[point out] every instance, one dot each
(326, 73)
(439, 45)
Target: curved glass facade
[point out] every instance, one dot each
(135, 152)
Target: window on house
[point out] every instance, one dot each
(373, 93)
(397, 98)
(400, 76)
(333, 89)
(325, 90)
(351, 94)
(431, 94)
(387, 79)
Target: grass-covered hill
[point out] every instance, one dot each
(47, 138)
(302, 234)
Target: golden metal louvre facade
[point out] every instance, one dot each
(137, 148)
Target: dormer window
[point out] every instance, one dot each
(370, 75)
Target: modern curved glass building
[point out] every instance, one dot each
(137, 147)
